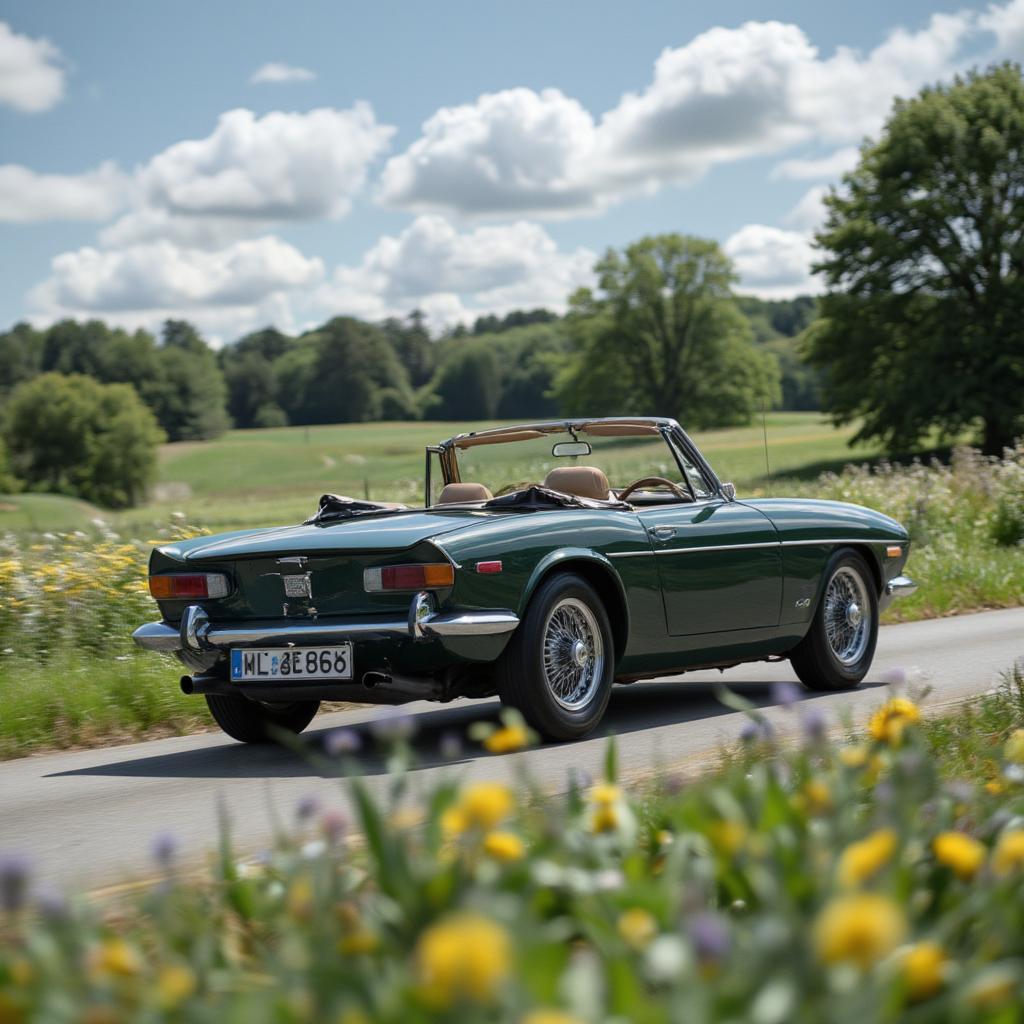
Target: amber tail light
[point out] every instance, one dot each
(188, 586)
(426, 576)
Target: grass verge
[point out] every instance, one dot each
(867, 879)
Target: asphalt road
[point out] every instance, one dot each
(90, 817)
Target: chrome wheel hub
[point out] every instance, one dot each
(847, 616)
(573, 654)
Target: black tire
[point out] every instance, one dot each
(521, 675)
(251, 722)
(815, 659)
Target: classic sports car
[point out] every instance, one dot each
(545, 587)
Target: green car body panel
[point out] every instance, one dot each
(686, 584)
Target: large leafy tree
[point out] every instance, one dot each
(923, 253)
(662, 335)
(73, 435)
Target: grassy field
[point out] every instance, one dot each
(262, 477)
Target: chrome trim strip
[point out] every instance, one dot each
(838, 540)
(628, 554)
(697, 549)
(900, 586)
(824, 541)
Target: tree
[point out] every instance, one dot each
(924, 259)
(663, 335)
(73, 435)
(467, 385)
(8, 482)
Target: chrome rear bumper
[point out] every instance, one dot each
(900, 586)
(197, 634)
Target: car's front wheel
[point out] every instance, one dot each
(249, 721)
(558, 668)
(838, 649)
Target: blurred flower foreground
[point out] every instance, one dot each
(805, 880)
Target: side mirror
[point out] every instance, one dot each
(729, 492)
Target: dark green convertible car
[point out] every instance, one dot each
(549, 561)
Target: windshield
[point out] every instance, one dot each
(517, 464)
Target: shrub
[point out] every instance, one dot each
(73, 435)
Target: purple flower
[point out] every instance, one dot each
(786, 694)
(450, 746)
(710, 937)
(895, 677)
(165, 850)
(815, 725)
(335, 825)
(306, 808)
(51, 904)
(580, 778)
(342, 741)
(393, 727)
(756, 730)
(14, 875)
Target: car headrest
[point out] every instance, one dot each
(583, 481)
(454, 493)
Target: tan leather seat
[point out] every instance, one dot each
(453, 494)
(582, 481)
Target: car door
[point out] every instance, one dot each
(720, 565)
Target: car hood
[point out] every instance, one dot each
(392, 531)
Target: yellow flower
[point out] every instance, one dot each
(892, 718)
(816, 797)
(963, 853)
(463, 957)
(174, 984)
(353, 1015)
(854, 756)
(924, 970)
(504, 846)
(485, 804)
(994, 787)
(859, 929)
(549, 1017)
(116, 957)
(998, 985)
(360, 940)
(507, 740)
(727, 836)
(1013, 749)
(604, 818)
(637, 928)
(300, 898)
(605, 793)
(860, 860)
(1008, 855)
(21, 972)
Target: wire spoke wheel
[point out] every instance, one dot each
(847, 615)
(573, 653)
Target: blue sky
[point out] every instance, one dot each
(458, 157)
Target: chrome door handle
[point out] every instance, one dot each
(664, 532)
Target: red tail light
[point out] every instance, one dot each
(427, 576)
(188, 586)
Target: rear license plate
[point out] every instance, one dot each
(291, 663)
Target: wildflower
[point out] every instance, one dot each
(815, 725)
(360, 941)
(393, 727)
(14, 876)
(462, 957)
(504, 846)
(51, 904)
(961, 852)
(334, 825)
(994, 787)
(816, 797)
(854, 756)
(860, 860)
(604, 816)
(300, 898)
(924, 970)
(549, 1017)
(996, 987)
(342, 741)
(756, 731)
(786, 694)
(637, 928)
(710, 937)
(174, 984)
(1013, 749)
(450, 747)
(892, 718)
(859, 929)
(895, 677)
(507, 740)
(116, 958)
(1008, 855)
(485, 804)
(727, 836)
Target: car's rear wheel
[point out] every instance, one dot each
(557, 669)
(249, 721)
(838, 649)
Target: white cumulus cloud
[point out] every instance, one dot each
(31, 74)
(771, 262)
(26, 196)
(276, 72)
(1007, 23)
(821, 168)
(454, 275)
